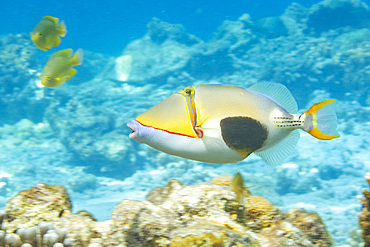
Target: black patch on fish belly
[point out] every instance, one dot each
(243, 134)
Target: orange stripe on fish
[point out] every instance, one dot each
(165, 130)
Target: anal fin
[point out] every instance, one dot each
(71, 73)
(279, 152)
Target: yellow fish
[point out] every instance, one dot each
(225, 124)
(238, 187)
(47, 31)
(59, 69)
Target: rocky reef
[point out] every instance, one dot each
(204, 214)
(18, 63)
(310, 46)
(364, 216)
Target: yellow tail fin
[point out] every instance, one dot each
(321, 120)
(62, 29)
(77, 58)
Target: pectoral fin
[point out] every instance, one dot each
(57, 42)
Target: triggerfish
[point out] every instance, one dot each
(47, 31)
(225, 124)
(59, 69)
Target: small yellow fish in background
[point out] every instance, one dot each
(59, 69)
(225, 124)
(238, 187)
(47, 31)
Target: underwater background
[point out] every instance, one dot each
(137, 53)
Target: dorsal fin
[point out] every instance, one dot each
(67, 53)
(279, 93)
(278, 153)
(52, 19)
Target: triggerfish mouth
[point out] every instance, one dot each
(225, 124)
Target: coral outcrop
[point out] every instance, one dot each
(175, 215)
(164, 49)
(304, 45)
(332, 14)
(79, 125)
(41, 216)
(17, 58)
(364, 216)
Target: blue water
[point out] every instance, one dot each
(108, 26)
(76, 134)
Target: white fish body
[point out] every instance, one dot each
(225, 124)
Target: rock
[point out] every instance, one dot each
(332, 14)
(42, 215)
(294, 19)
(210, 234)
(312, 225)
(18, 64)
(174, 215)
(94, 64)
(41, 202)
(270, 27)
(260, 213)
(364, 216)
(17, 57)
(88, 131)
(165, 48)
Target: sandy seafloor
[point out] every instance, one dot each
(76, 135)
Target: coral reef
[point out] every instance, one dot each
(165, 48)
(364, 216)
(41, 216)
(267, 49)
(93, 66)
(311, 224)
(357, 239)
(332, 14)
(222, 180)
(17, 59)
(123, 67)
(41, 202)
(174, 215)
(88, 128)
(20, 61)
(31, 148)
(44, 234)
